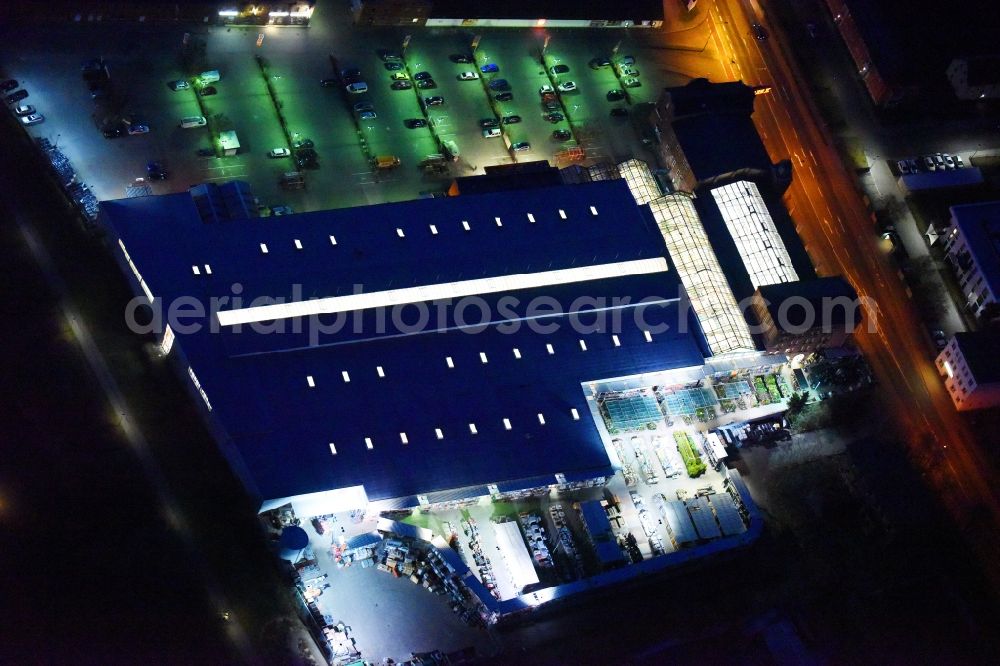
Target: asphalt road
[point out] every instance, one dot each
(838, 232)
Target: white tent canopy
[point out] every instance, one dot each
(515, 554)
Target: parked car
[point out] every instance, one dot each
(914, 166)
(436, 100)
(628, 70)
(489, 68)
(367, 115)
(504, 96)
(112, 132)
(276, 153)
(205, 152)
(350, 74)
(554, 117)
(599, 62)
(281, 210)
(362, 106)
(903, 166)
(155, 171)
(415, 123)
(619, 112)
(303, 143)
(401, 85)
(138, 129)
(393, 66)
(499, 84)
(24, 110)
(180, 84)
(426, 84)
(551, 105)
(929, 163)
(422, 76)
(549, 97)
(511, 120)
(958, 162)
(468, 76)
(545, 89)
(489, 122)
(388, 56)
(940, 339)
(616, 95)
(949, 161)
(207, 91)
(357, 88)
(328, 83)
(632, 82)
(460, 58)
(491, 132)
(938, 161)
(16, 96)
(759, 33)
(521, 147)
(193, 121)
(567, 86)
(562, 135)
(558, 69)
(8, 85)
(33, 119)
(399, 76)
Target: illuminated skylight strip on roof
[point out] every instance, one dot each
(754, 233)
(452, 290)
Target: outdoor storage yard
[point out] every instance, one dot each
(271, 96)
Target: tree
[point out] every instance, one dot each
(796, 403)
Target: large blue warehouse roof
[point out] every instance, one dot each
(284, 398)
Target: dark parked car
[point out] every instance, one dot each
(559, 69)
(433, 101)
(554, 117)
(504, 97)
(8, 85)
(155, 171)
(422, 76)
(551, 106)
(562, 135)
(113, 132)
(426, 84)
(16, 96)
(487, 123)
(511, 120)
(303, 143)
(328, 83)
(388, 56)
(616, 95)
(393, 66)
(414, 123)
(599, 62)
(489, 68)
(206, 152)
(619, 112)
(521, 146)
(499, 84)
(401, 85)
(207, 91)
(460, 58)
(350, 73)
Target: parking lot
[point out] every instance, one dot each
(280, 78)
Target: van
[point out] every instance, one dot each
(357, 88)
(211, 76)
(193, 121)
(386, 162)
(292, 180)
(491, 132)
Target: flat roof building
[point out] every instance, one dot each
(510, 14)
(970, 365)
(410, 352)
(972, 247)
(802, 317)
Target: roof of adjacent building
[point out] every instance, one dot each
(377, 379)
(979, 349)
(705, 111)
(979, 223)
(636, 10)
(820, 294)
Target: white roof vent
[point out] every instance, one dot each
(263, 248)
(403, 438)
(472, 429)
(517, 353)
(482, 357)
(438, 433)
(208, 269)
(333, 240)
(575, 414)
(310, 381)
(196, 270)
(449, 361)
(549, 348)
(369, 443)
(499, 223)
(616, 341)
(562, 213)
(465, 225)
(506, 424)
(298, 244)
(434, 230)
(333, 448)
(380, 371)
(648, 336)
(583, 345)
(399, 232)
(531, 218)
(593, 210)
(346, 376)
(541, 418)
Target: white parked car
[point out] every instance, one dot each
(468, 76)
(179, 85)
(33, 119)
(567, 86)
(24, 110)
(193, 121)
(279, 152)
(545, 89)
(358, 88)
(138, 129)
(948, 160)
